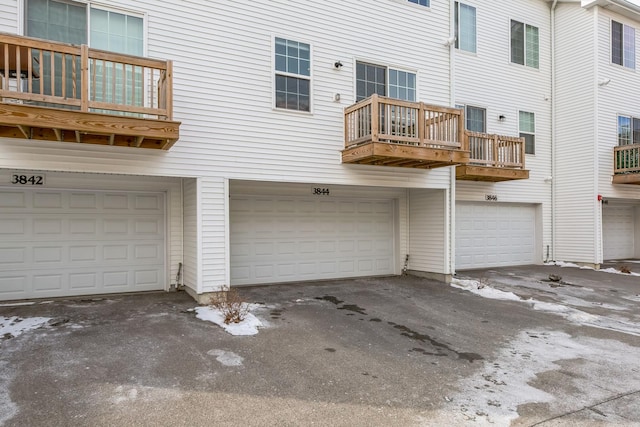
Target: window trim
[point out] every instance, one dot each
(524, 42)
(457, 27)
(622, 56)
(275, 73)
(534, 133)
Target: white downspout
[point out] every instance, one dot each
(452, 102)
(553, 130)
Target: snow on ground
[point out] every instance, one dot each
(571, 314)
(584, 267)
(492, 396)
(15, 326)
(226, 358)
(477, 288)
(248, 326)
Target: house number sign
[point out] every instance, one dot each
(320, 191)
(491, 197)
(26, 179)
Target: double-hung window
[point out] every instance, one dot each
(527, 126)
(465, 26)
(628, 130)
(384, 81)
(293, 75)
(623, 45)
(525, 44)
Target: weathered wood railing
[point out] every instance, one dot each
(381, 119)
(68, 76)
(626, 159)
(496, 150)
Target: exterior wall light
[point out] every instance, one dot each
(337, 65)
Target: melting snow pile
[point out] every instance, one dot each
(13, 326)
(248, 326)
(477, 288)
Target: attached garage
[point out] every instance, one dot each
(494, 235)
(56, 243)
(294, 238)
(618, 232)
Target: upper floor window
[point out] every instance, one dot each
(527, 126)
(384, 81)
(628, 130)
(81, 23)
(69, 22)
(293, 75)
(623, 45)
(420, 2)
(465, 26)
(525, 44)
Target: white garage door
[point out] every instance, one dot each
(494, 235)
(61, 243)
(618, 232)
(282, 239)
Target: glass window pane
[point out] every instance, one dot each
(624, 130)
(517, 42)
(532, 47)
(476, 119)
(281, 63)
(636, 131)
(281, 46)
(616, 42)
(466, 35)
(370, 79)
(629, 52)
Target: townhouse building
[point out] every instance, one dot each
(154, 144)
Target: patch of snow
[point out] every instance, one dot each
(477, 288)
(226, 358)
(17, 325)
(124, 396)
(248, 326)
(584, 267)
(571, 314)
(493, 395)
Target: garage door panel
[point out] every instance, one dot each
(60, 243)
(491, 235)
(618, 231)
(307, 238)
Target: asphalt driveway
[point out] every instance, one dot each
(509, 347)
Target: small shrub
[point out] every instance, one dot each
(231, 305)
(625, 269)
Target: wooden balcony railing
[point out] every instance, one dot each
(626, 164)
(402, 122)
(496, 151)
(47, 74)
(392, 132)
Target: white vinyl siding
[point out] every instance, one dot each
(427, 230)
(191, 231)
(502, 89)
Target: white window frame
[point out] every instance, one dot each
(275, 73)
(458, 27)
(416, 3)
(524, 47)
(623, 57)
(465, 108)
(520, 131)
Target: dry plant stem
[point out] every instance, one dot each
(231, 305)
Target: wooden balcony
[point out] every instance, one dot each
(493, 158)
(626, 164)
(62, 92)
(390, 132)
